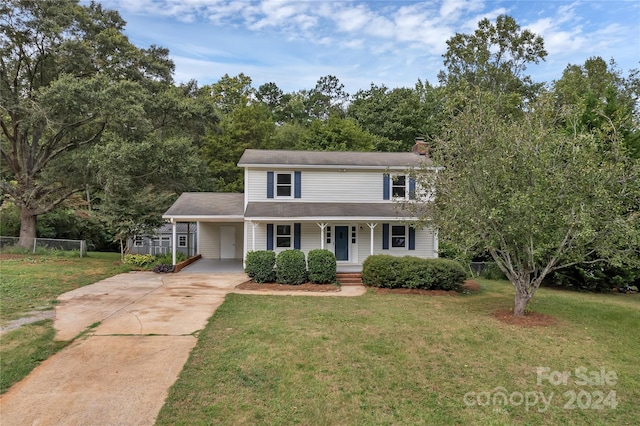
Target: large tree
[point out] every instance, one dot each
(494, 58)
(67, 73)
(603, 100)
(534, 197)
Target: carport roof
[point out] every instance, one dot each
(201, 204)
(324, 211)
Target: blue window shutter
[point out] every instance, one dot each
(269, 236)
(412, 189)
(385, 187)
(270, 186)
(296, 236)
(385, 236)
(412, 238)
(297, 184)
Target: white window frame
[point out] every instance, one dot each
(182, 240)
(392, 185)
(165, 240)
(277, 236)
(138, 241)
(276, 185)
(405, 235)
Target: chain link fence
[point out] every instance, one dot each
(36, 244)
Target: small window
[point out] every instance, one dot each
(166, 241)
(399, 186)
(328, 235)
(353, 235)
(398, 236)
(137, 242)
(182, 240)
(283, 185)
(283, 236)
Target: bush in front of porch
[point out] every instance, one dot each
(291, 267)
(260, 266)
(412, 272)
(322, 266)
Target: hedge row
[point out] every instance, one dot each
(412, 272)
(290, 267)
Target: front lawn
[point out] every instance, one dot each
(410, 359)
(31, 283)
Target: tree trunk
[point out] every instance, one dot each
(521, 301)
(27, 227)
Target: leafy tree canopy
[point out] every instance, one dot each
(534, 197)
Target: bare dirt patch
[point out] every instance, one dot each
(468, 286)
(530, 319)
(250, 285)
(6, 256)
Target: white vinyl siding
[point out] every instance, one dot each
(210, 239)
(324, 186)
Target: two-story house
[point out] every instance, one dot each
(346, 202)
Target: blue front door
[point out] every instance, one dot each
(342, 242)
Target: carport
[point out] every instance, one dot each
(220, 219)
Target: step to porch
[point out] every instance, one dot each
(349, 278)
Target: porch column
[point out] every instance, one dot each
(173, 241)
(372, 226)
(322, 228)
(253, 236)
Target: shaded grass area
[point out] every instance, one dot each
(34, 281)
(406, 359)
(24, 349)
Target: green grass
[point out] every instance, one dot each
(23, 349)
(33, 282)
(397, 359)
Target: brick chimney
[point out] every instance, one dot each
(421, 147)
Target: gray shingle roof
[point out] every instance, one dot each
(207, 204)
(318, 210)
(257, 157)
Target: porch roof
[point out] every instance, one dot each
(203, 205)
(325, 211)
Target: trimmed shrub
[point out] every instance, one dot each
(322, 266)
(412, 272)
(415, 274)
(446, 274)
(259, 266)
(382, 270)
(291, 267)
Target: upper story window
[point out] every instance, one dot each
(284, 184)
(399, 186)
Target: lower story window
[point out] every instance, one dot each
(137, 242)
(182, 240)
(398, 236)
(283, 236)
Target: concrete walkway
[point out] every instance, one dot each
(139, 329)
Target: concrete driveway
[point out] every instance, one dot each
(120, 371)
(139, 329)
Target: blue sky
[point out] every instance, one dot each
(395, 43)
